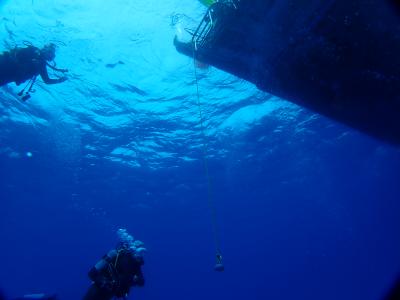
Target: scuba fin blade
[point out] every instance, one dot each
(25, 97)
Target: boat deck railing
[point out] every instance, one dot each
(202, 34)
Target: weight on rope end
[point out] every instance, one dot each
(219, 266)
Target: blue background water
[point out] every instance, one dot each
(307, 208)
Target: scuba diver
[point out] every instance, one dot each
(118, 270)
(22, 64)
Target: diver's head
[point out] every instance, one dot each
(48, 52)
(126, 241)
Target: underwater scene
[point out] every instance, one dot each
(131, 170)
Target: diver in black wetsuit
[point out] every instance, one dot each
(22, 64)
(118, 271)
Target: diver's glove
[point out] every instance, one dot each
(135, 280)
(62, 79)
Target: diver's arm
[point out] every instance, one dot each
(57, 69)
(138, 279)
(45, 76)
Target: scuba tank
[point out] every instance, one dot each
(103, 273)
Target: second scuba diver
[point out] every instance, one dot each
(23, 64)
(118, 270)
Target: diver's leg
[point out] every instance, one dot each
(95, 293)
(7, 73)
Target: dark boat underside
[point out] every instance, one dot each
(340, 58)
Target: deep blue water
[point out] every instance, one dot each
(307, 208)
